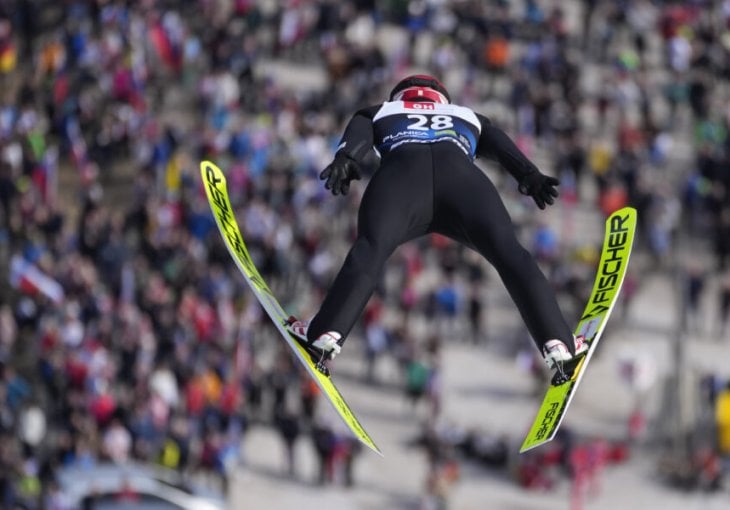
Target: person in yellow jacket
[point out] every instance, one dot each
(722, 420)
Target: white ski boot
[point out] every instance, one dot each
(329, 344)
(557, 354)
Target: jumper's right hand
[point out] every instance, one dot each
(339, 173)
(541, 187)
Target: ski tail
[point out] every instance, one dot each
(617, 245)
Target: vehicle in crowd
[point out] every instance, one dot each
(134, 486)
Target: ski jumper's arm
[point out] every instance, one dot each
(355, 145)
(495, 144)
(357, 140)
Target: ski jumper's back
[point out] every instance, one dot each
(397, 123)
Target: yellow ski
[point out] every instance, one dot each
(217, 192)
(619, 239)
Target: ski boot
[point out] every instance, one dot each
(326, 347)
(558, 356)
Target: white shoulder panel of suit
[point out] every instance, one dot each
(454, 110)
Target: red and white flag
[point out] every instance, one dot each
(29, 279)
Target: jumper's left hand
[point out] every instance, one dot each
(541, 187)
(339, 173)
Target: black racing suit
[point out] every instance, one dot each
(427, 182)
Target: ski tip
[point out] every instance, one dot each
(211, 170)
(624, 212)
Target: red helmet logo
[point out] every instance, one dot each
(420, 94)
(420, 87)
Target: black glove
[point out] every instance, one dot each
(339, 173)
(540, 187)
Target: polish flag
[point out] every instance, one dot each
(29, 279)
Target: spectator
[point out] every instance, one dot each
(351, 449)
(722, 420)
(417, 376)
(695, 284)
(288, 425)
(117, 442)
(724, 305)
(324, 444)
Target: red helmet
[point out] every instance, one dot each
(420, 87)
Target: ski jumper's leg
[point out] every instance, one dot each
(469, 209)
(396, 207)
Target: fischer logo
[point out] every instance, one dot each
(611, 267)
(548, 420)
(414, 105)
(229, 228)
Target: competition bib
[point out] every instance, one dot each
(401, 122)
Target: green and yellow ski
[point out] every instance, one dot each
(619, 239)
(220, 204)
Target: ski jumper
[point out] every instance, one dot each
(426, 183)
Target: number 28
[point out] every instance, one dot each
(437, 122)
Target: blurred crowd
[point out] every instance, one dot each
(126, 331)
